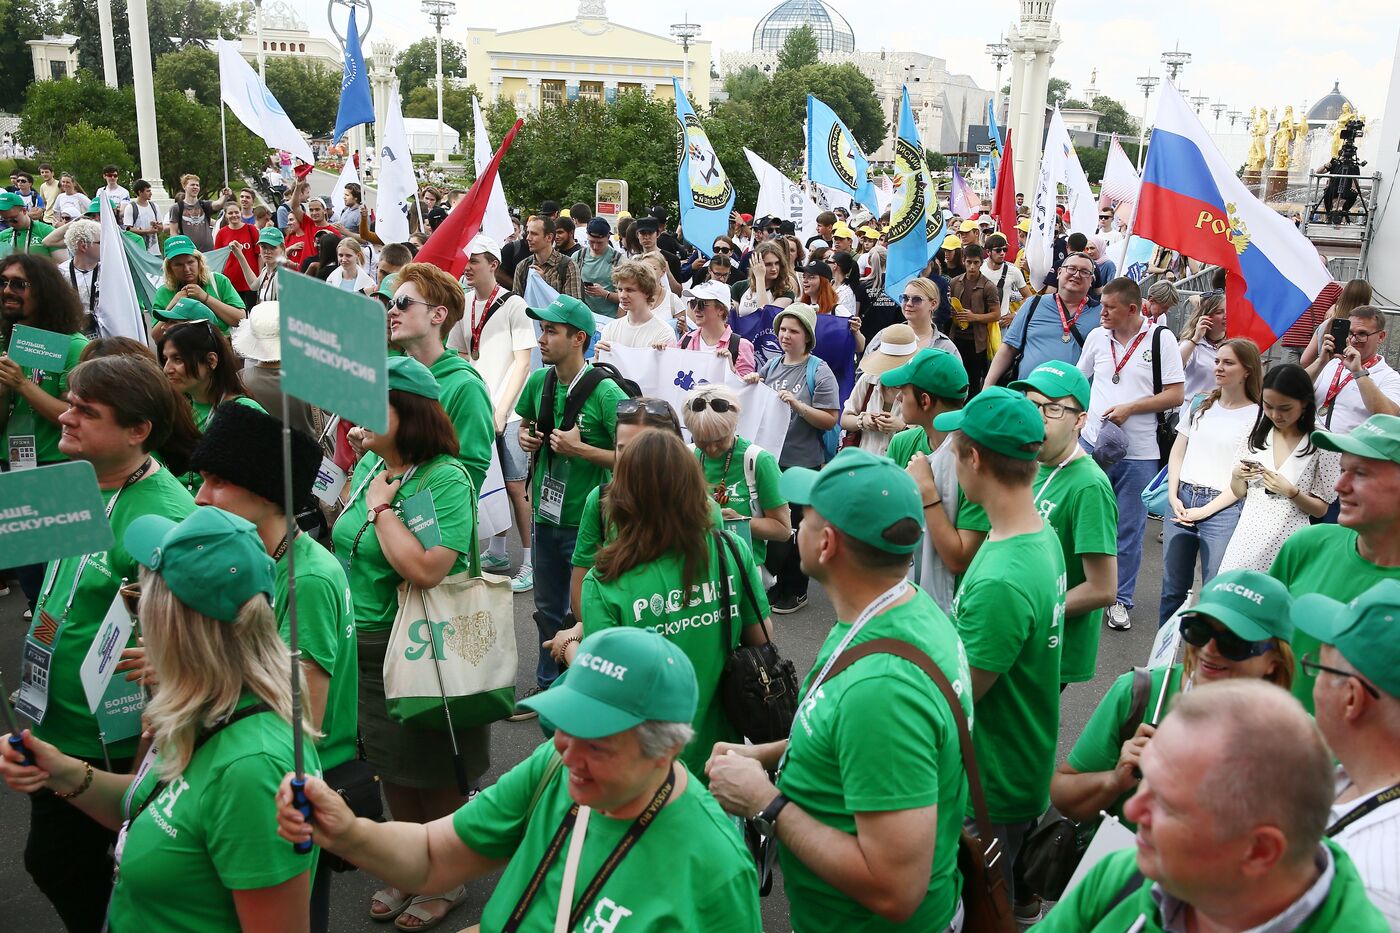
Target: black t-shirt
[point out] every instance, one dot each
(511, 254)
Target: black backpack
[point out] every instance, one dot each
(578, 396)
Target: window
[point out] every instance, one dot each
(590, 90)
(551, 93)
(301, 46)
(58, 70)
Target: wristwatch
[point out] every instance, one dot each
(374, 512)
(767, 820)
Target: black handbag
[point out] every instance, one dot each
(758, 688)
(1166, 420)
(358, 785)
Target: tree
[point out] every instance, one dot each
(799, 50)
(1093, 162)
(1116, 118)
(1056, 91)
(308, 90)
(456, 106)
(746, 84)
(1073, 103)
(188, 21)
(937, 161)
(20, 21)
(416, 65)
(86, 149)
(194, 67)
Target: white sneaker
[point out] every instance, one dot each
(4, 590)
(523, 581)
(494, 562)
(1117, 617)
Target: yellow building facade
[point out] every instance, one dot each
(586, 58)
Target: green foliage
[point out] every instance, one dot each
(1092, 161)
(20, 21)
(1116, 118)
(51, 106)
(308, 90)
(1073, 103)
(19, 165)
(86, 149)
(937, 161)
(194, 67)
(173, 24)
(799, 50)
(746, 85)
(1056, 91)
(416, 65)
(456, 105)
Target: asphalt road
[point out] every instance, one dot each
(799, 636)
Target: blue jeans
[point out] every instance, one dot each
(1181, 544)
(1129, 479)
(553, 550)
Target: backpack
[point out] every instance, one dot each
(831, 437)
(694, 337)
(751, 479)
(578, 396)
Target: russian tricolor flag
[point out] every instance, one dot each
(1192, 201)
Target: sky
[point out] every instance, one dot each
(1245, 53)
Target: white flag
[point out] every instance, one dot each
(348, 175)
(1120, 179)
(1083, 209)
(253, 104)
(779, 196)
(496, 223)
(397, 183)
(118, 311)
(1040, 245)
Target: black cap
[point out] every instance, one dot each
(660, 214)
(817, 268)
(648, 225)
(599, 227)
(244, 446)
(436, 216)
(787, 227)
(549, 207)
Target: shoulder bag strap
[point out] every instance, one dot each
(571, 860)
(1156, 368)
(748, 593)
(725, 613)
(575, 400)
(751, 479)
(1137, 710)
(551, 769)
(544, 418)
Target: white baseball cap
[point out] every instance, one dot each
(481, 243)
(710, 290)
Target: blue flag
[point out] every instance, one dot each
(835, 343)
(356, 103)
(993, 137)
(911, 232)
(706, 195)
(834, 159)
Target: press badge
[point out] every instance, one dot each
(24, 452)
(552, 488)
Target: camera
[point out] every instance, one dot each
(1354, 130)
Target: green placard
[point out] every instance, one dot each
(39, 349)
(420, 515)
(51, 512)
(334, 349)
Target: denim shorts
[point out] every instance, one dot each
(515, 465)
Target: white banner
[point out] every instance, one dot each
(493, 506)
(670, 374)
(118, 310)
(1079, 198)
(253, 104)
(397, 183)
(496, 223)
(779, 196)
(349, 174)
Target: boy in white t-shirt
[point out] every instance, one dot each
(637, 286)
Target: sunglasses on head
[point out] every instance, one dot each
(657, 408)
(1198, 632)
(720, 405)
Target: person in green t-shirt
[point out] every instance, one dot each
(742, 478)
(570, 460)
(869, 805)
(1344, 560)
(410, 471)
(427, 304)
(932, 382)
(1236, 792)
(23, 235)
(1238, 629)
(239, 460)
(664, 568)
(187, 275)
(1010, 612)
(117, 419)
(1074, 495)
(619, 717)
(193, 853)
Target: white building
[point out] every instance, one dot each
(55, 57)
(283, 34)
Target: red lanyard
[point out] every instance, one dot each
(1068, 322)
(1338, 383)
(1117, 366)
(479, 326)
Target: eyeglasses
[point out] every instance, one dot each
(1054, 410)
(1077, 271)
(10, 283)
(1311, 667)
(912, 299)
(1198, 632)
(720, 405)
(996, 249)
(1357, 336)
(403, 301)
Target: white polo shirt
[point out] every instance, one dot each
(1097, 363)
(507, 330)
(1350, 409)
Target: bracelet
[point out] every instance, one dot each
(1364, 374)
(87, 782)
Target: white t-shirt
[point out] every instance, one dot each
(118, 195)
(623, 333)
(145, 216)
(1015, 280)
(506, 331)
(1200, 369)
(84, 282)
(930, 573)
(70, 206)
(1373, 842)
(846, 301)
(1350, 409)
(1214, 441)
(1097, 363)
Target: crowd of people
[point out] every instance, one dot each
(973, 506)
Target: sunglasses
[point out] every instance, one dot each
(657, 408)
(10, 283)
(403, 301)
(912, 299)
(996, 249)
(1198, 632)
(723, 249)
(720, 405)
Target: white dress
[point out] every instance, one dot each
(1268, 519)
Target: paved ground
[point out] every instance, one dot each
(798, 635)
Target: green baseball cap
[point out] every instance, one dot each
(387, 287)
(621, 677)
(9, 200)
(1362, 630)
(408, 375)
(937, 372)
(566, 310)
(186, 309)
(998, 418)
(95, 207)
(863, 495)
(1251, 604)
(1376, 438)
(179, 246)
(213, 561)
(1057, 380)
(271, 236)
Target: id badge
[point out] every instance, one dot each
(740, 527)
(24, 452)
(552, 488)
(33, 698)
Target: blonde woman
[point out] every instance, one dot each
(187, 275)
(770, 280)
(222, 729)
(1201, 340)
(1355, 294)
(919, 303)
(349, 273)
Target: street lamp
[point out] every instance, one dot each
(1218, 108)
(1001, 54)
(685, 33)
(1234, 115)
(1200, 101)
(1175, 60)
(439, 11)
(1147, 82)
(262, 57)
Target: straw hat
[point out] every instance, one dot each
(257, 337)
(898, 343)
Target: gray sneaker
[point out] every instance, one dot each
(1117, 617)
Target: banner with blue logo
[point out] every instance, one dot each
(356, 102)
(834, 159)
(910, 238)
(835, 342)
(706, 195)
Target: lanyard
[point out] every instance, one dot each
(1338, 383)
(1056, 472)
(1118, 366)
(721, 494)
(355, 494)
(92, 284)
(1365, 808)
(624, 845)
(1068, 322)
(879, 605)
(479, 326)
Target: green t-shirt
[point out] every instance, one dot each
(591, 537)
(597, 424)
(326, 633)
(68, 723)
(765, 474)
(203, 411)
(1012, 624)
(218, 285)
(879, 737)
(29, 242)
(1086, 908)
(1099, 747)
(689, 871)
(650, 596)
(373, 580)
(209, 833)
(468, 406)
(25, 420)
(1323, 559)
(1079, 504)
(907, 443)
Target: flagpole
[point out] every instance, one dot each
(223, 132)
(299, 799)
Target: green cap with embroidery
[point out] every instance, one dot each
(1056, 380)
(1363, 630)
(213, 561)
(566, 309)
(865, 496)
(937, 372)
(179, 246)
(1000, 419)
(1376, 438)
(186, 309)
(1251, 604)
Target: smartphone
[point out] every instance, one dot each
(1341, 330)
(1254, 465)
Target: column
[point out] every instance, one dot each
(145, 99)
(571, 89)
(495, 88)
(533, 101)
(109, 51)
(609, 90)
